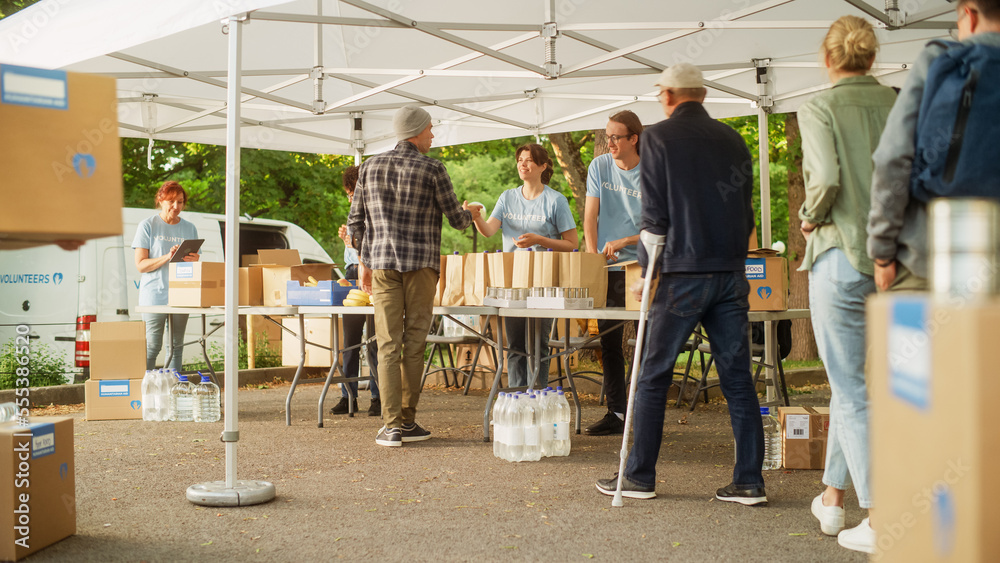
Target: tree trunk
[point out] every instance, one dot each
(803, 339)
(568, 154)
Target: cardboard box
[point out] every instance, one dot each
(37, 505)
(197, 284)
(768, 276)
(117, 399)
(804, 431)
(251, 287)
(280, 266)
(935, 449)
(633, 273)
(117, 350)
(248, 260)
(318, 330)
(60, 156)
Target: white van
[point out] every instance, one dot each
(57, 294)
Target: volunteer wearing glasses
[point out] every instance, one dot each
(611, 226)
(532, 216)
(156, 240)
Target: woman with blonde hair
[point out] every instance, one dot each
(840, 130)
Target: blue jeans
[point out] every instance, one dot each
(837, 295)
(517, 363)
(719, 302)
(154, 338)
(354, 326)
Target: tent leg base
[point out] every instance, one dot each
(244, 493)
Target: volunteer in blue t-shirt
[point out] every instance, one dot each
(532, 216)
(156, 240)
(611, 226)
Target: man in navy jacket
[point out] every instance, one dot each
(697, 181)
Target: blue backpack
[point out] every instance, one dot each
(958, 135)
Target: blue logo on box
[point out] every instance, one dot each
(113, 388)
(43, 439)
(185, 270)
(910, 353)
(944, 521)
(763, 292)
(34, 87)
(84, 164)
(136, 405)
(756, 269)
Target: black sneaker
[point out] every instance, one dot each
(629, 489)
(392, 437)
(341, 407)
(607, 426)
(749, 497)
(376, 408)
(412, 432)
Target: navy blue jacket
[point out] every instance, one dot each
(697, 181)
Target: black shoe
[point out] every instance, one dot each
(341, 407)
(749, 497)
(391, 437)
(607, 426)
(376, 408)
(629, 489)
(414, 433)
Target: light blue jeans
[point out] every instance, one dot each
(154, 338)
(837, 294)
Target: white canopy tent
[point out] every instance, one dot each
(326, 76)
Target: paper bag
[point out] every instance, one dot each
(501, 266)
(585, 269)
(453, 293)
(524, 264)
(476, 277)
(546, 269)
(439, 289)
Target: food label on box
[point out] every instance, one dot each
(797, 427)
(756, 269)
(34, 87)
(113, 388)
(184, 271)
(43, 439)
(910, 353)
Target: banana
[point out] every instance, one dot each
(344, 283)
(353, 302)
(358, 293)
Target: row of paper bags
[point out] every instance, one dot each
(465, 277)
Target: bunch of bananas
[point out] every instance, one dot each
(313, 282)
(357, 298)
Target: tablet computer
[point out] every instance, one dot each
(189, 246)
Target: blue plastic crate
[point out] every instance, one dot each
(322, 294)
(340, 291)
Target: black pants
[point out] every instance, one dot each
(613, 346)
(354, 326)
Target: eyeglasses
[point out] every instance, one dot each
(613, 139)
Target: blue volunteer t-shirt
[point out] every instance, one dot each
(621, 203)
(158, 237)
(547, 215)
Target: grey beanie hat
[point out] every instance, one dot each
(410, 121)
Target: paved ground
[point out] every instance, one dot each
(340, 496)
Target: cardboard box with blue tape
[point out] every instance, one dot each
(115, 399)
(768, 276)
(37, 485)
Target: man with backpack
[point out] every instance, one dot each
(940, 141)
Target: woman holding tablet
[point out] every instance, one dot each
(156, 240)
(532, 216)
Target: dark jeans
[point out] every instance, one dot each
(719, 302)
(613, 347)
(517, 364)
(354, 326)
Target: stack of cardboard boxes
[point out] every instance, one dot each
(117, 365)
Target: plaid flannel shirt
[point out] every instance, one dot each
(398, 203)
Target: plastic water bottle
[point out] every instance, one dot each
(561, 422)
(545, 423)
(515, 430)
(499, 444)
(206, 401)
(181, 401)
(772, 439)
(532, 435)
(150, 384)
(8, 412)
(164, 381)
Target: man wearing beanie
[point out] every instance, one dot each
(395, 222)
(697, 180)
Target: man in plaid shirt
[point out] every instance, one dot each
(395, 221)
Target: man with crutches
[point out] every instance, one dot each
(697, 181)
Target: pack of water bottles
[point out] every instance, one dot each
(168, 395)
(528, 426)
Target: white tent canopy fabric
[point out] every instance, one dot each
(325, 76)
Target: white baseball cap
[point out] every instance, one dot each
(681, 75)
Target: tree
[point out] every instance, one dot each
(803, 339)
(569, 149)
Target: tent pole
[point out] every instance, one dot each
(764, 104)
(232, 492)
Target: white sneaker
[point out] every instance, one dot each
(831, 518)
(860, 538)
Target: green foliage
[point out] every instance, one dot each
(8, 7)
(45, 366)
(264, 355)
